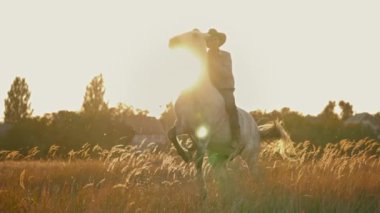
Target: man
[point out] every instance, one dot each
(220, 72)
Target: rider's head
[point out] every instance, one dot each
(215, 39)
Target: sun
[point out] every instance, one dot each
(180, 70)
(189, 67)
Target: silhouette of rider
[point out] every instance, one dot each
(220, 72)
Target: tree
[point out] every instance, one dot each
(377, 115)
(328, 112)
(346, 110)
(17, 105)
(94, 96)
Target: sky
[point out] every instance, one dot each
(298, 54)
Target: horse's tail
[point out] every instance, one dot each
(285, 145)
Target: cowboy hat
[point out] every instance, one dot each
(213, 33)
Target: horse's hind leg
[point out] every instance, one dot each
(251, 157)
(200, 177)
(220, 169)
(227, 182)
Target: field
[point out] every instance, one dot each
(343, 177)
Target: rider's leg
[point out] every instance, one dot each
(232, 113)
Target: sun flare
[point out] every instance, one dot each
(189, 66)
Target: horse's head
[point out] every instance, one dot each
(194, 40)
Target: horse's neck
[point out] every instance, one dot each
(210, 105)
(207, 100)
(205, 89)
(204, 86)
(206, 93)
(205, 81)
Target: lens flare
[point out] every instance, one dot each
(202, 132)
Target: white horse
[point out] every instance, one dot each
(201, 114)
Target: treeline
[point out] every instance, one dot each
(95, 123)
(326, 127)
(98, 123)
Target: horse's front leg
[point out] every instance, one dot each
(200, 177)
(201, 145)
(172, 135)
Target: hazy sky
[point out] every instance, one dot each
(299, 54)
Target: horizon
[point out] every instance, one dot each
(279, 59)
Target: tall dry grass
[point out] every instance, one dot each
(343, 177)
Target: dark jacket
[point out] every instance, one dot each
(220, 69)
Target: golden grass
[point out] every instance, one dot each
(343, 177)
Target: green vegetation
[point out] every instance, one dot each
(327, 127)
(95, 124)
